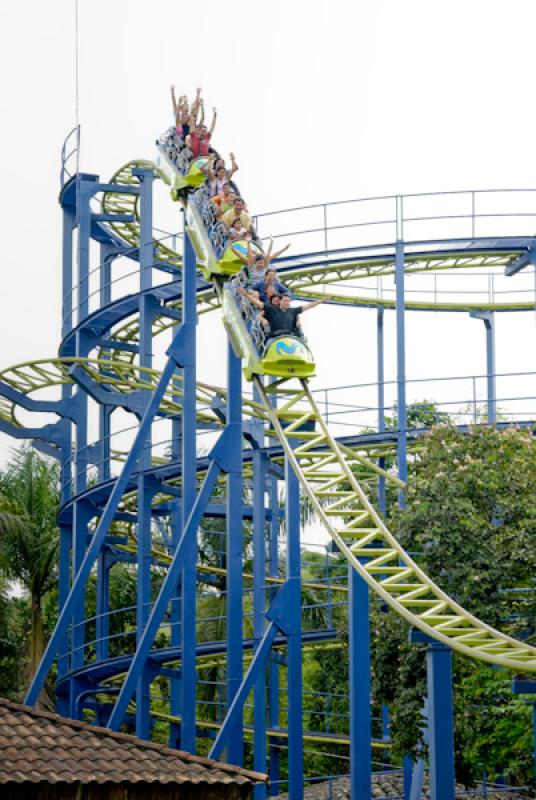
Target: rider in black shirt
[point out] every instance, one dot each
(282, 319)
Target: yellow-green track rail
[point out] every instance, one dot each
(325, 474)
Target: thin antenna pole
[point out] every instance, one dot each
(76, 60)
(77, 99)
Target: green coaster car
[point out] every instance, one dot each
(288, 355)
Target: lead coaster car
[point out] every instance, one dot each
(288, 356)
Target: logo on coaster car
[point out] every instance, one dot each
(282, 347)
(201, 164)
(239, 247)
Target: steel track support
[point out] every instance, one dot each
(488, 318)
(188, 685)
(102, 622)
(380, 368)
(440, 721)
(175, 605)
(82, 513)
(294, 654)
(527, 686)
(145, 490)
(259, 610)
(279, 620)
(235, 549)
(273, 677)
(440, 713)
(66, 528)
(402, 456)
(68, 225)
(360, 686)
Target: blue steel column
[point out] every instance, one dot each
(259, 603)
(145, 492)
(235, 748)
(273, 676)
(527, 686)
(294, 654)
(81, 512)
(382, 501)
(440, 721)
(188, 577)
(175, 605)
(401, 363)
(359, 680)
(488, 318)
(102, 622)
(489, 322)
(66, 528)
(69, 223)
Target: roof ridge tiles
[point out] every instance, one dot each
(58, 722)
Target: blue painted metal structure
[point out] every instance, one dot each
(86, 669)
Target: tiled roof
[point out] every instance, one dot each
(37, 746)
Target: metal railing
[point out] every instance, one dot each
(70, 155)
(458, 215)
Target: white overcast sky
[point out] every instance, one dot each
(320, 100)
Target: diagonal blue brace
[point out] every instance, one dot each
(278, 622)
(218, 456)
(235, 710)
(133, 401)
(79, 582)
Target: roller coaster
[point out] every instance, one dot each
(141, 495)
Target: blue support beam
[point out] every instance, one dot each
(273, 677)
(488, 318)
(259, 608)
(235, 711)
(144, 484)
(188, 687)
(360, 686)
(526, 686)
(235, 547)
(440, 713)
(380, 368)
(402, 452)
(293, 623)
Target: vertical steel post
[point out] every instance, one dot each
(273, 678)
(188, 460)
(235, 748)
(294, 654)
(177, 525)
(440, 721)
(382, 501)
(102, 622)
(66, 528)
(145, 492)
(401, 365)
(81, 511)
(360, 682)
(488, 318)
(489, 322)
(259, 609)
(68, 223)
(259, 599)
